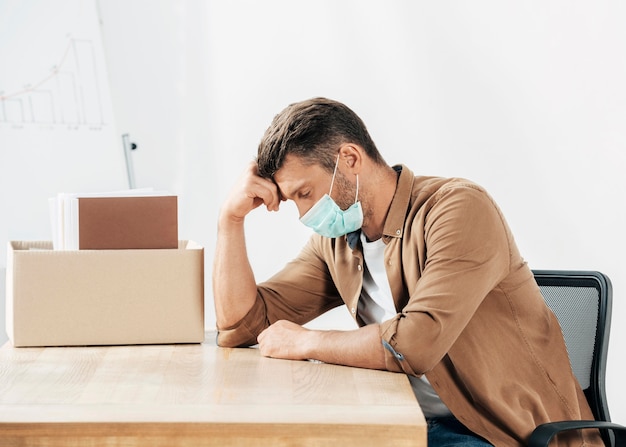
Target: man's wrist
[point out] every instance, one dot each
(227, 221)
(312, 343)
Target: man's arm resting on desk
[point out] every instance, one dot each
(360, 347)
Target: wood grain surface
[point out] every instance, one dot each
(197, 395)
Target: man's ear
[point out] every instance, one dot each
(350, 158)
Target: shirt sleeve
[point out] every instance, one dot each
(301, 291)
(466, 246)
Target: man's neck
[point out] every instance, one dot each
(381, 190)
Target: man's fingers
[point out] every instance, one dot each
(251, 192)
(282, 340)
(263, 188)
(265, 191)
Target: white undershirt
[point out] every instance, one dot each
(376, 305)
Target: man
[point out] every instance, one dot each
(428, 268)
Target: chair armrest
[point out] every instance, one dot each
(542, 435)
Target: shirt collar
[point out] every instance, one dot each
(394, 223)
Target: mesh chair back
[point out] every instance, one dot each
(581, 302)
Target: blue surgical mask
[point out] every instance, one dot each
(327, 219)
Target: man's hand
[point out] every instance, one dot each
(250, 192)
(285, 340)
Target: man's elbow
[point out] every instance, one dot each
(234, 339)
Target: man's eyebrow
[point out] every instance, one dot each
(289, 194)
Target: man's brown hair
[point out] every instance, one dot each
(313, 130)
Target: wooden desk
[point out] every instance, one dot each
(198, 395)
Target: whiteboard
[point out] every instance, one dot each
(57, 130)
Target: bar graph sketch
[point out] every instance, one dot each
(69, 95)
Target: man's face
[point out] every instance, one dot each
(305, 184)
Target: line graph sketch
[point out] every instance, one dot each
(53, 71)
(69, 95)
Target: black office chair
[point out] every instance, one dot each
(581, 301)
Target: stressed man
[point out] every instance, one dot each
(427, 267)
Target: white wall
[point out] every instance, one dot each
(526, 98)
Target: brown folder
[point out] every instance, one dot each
(132, 222)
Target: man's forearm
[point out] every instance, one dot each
(361, 347)
(234, 286)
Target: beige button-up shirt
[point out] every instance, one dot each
(470, 315)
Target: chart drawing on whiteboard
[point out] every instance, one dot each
(53, 72)
(70, 95)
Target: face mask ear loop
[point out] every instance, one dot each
(356, 197)
(334, 173)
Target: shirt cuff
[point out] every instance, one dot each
(395, 361)
(246, 331)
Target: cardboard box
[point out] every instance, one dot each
(104, 297)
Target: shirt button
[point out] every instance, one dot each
(398, 232)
